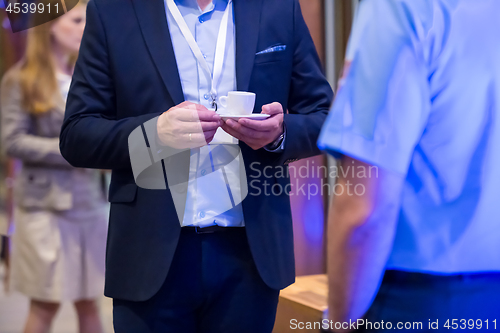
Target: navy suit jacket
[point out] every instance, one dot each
(126, 74)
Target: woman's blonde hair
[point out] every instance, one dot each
(37, 75)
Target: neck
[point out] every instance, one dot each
(203, 3)
(61, 60)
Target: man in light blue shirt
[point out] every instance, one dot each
(420, 100)
(202, 203)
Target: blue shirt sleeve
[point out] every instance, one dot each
(383, 101)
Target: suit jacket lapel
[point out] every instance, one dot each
(153, 22)
(247, 19)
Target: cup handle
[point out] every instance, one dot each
(223, 101)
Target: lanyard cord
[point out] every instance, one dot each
(212, 78)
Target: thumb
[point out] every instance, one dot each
(273, 108)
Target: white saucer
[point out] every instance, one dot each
(254, 116)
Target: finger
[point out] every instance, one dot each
(209, 139)
(210, 126)
(186, 128)
(208, 116)
(208, 135)
(240, 136)
(254, 144)
(272, 108)
(232, 132)
(193, 140)
(196, 127)
(186, 105)
(260, 125)
(248, 132)
(193, 115)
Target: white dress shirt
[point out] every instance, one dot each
(208, 195)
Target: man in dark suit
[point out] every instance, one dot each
(134, 65)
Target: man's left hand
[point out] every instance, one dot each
(258, 133)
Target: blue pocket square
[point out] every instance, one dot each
(276, 48)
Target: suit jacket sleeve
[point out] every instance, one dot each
(18, 138)
(92, 136)
(310, 96)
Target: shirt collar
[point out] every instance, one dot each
(193, 4)
(209, 8)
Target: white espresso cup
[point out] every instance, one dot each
(238, 103)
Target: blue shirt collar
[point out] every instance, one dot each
(215, 5)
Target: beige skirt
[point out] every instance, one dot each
(57, 259)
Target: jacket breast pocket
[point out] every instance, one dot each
(275, 56)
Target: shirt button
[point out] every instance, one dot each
(202, 214)
(203, 172)
(205, 96)
(204, 56)
(201, 20)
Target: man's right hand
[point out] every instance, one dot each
(187, 125)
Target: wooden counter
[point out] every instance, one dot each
(305, 301)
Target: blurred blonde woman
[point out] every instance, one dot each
(61, 212)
